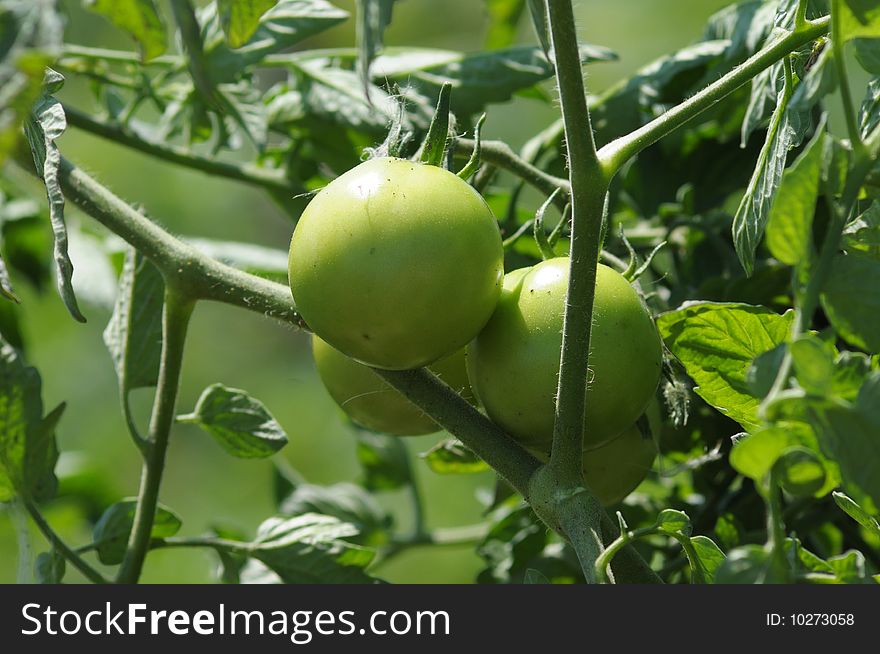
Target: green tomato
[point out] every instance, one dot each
(371, 402)
(614, 470)
(513, 364)
(397, 264)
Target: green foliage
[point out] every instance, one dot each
(112, 530)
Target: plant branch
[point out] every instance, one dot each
(175, 321)
(621, 150)
(501, 155)
(275, 180)
(75, 559)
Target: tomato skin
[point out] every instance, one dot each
(396, 264)
(371, 402)
(513, 364)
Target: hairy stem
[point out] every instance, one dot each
(175, 320)
(621, 150)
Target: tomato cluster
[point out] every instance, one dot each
(399, 265)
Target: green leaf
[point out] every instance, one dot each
(332, 94)
(813, 362)
(533, 576)
(671, 521)
(716, 343)
(800, 472)
(863, 233)
(134, 334)
(49, 567)
(385, 461)
(859, 18)
(348, 502)
(451, 456)
(28, 452)
(849, 567)
(312, 549)
(31, 35)
(709, 557)
(869, 112)
(140, 18)
(112, 530)
(749, 564)
(241, 424)
(856, 512)
(851, 301)
(241, 18)
(764, 369)
(504, 18)
(46, 124)
(478, 79)
(790, 223)
(538, 12)
(283, 26)
(373, 17)
(868, 54)
(753, 455)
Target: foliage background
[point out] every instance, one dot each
(240, 349)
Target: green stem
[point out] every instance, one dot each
(481, 435)
(75, 559)
(849, 110)
(270, 179)
(621, 150)
(501, 155)
(588, 189)
(18, 518)
(175, 320)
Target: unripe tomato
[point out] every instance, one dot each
(396, 264)
(514, 363)
(371, 402)
(615, 469)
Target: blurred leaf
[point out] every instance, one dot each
(28, 451)
(859, 18)
(863, 233)
(514, 541)
(111, 532)
(538, 12)
(140, 18)
(30, 39)
(312, 549)
(535, 577)
(6, 289)
(373, 17)
(46, 124)
(477, 79)
(134, 334)
(764, 369)
(384, 460)
(504, 17)
(749, 564)
(254, 259)
(240, 423)
(716, 343)
(241, 18)
(800, 472)
(851, 301)
(348, 502)
(868, 54)
(26, 239)
(869, 112)
(813, 362)
(285, 25)
(232, 561)
(242, 107)
(451, 456)
(49, 567)
(856, 512)
(95, 279)
(332, 94)
(790, 223)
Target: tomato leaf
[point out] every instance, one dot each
(348, 502)
(850, 299)
(373, 17)
(716, 343)
(140, 18)
(451, 456)
(112, 530)
(241, 18)
(385, 461)
(240, 423)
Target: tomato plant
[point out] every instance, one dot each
(699, 232)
